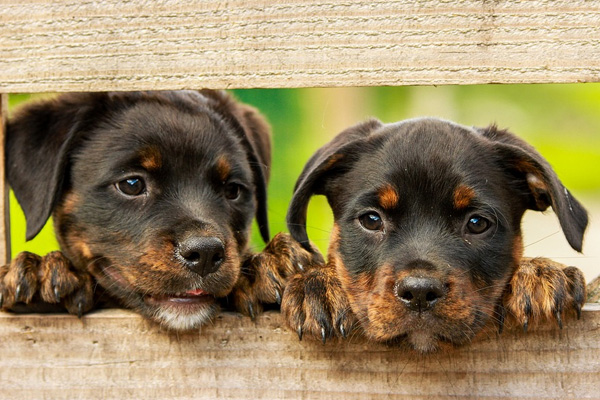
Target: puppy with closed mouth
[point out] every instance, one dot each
(426, 247)
(152, 196)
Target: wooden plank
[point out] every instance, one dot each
(593, 290)
(73, 45)
(4, 202)
(114, 354)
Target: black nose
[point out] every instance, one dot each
(419, 293)
(203, 255)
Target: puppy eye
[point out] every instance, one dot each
(477, 224)
(133, 186)
(371, 221)
(232, 191)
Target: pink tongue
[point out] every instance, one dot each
(196, 292)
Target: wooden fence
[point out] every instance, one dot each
(81, 45)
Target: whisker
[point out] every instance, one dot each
(542, 239)
(499, 285)
(312, 227)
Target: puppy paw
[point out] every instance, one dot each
(19, 280)
(314, 303)
(265, 274)
(543, 290)
(29, 278)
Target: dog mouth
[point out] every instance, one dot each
(187, 305)
(189, 298)
(186, 301)
(424, 332)
(181, 311)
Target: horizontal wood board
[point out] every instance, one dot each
(115, 354)
(72, 45)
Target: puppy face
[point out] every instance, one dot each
(427, 223)
(154, 194)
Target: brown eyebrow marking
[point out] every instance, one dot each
(388, 197)
(151, 158)
(223, 168)
(463, 196)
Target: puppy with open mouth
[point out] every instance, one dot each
(152, 196)
(426, 247)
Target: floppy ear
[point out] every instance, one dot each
(329, 162)
(255, 136)
(39, 138)
(542, 186)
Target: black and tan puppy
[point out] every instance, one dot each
(426, 248)
(152, 195)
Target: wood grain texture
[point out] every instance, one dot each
(114, 354)
(593, 290)
(73, 45)
(4, 203)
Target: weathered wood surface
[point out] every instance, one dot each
(4, 213)
(73, 45)
(593, 290)
(114, 354)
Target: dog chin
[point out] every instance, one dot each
(424, 342)
(183, 318)
(428, 341)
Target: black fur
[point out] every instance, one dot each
(366, 155)
(68, 155)
(407, 257)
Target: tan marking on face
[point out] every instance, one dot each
(78, 244)
(334, 239)
(84, 249)
(223, 168)
(71, 237)
(517, 253)
(458, 301)
(388, 197)
(155, 266)
(463, 196)
(358, 289)
(70, 202)
(151, 158)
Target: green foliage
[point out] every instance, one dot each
(562, 121)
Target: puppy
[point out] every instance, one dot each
(426, 247)
(152, 196)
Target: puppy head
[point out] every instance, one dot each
(427, 223)
(153, 193)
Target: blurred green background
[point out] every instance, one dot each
(561, 121)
